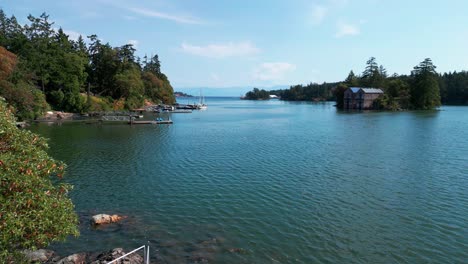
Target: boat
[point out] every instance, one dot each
(201, 104)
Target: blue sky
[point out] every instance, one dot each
(215, 43)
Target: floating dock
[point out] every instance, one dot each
(149, 122)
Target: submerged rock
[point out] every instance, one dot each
(106, 219)
(237, 250)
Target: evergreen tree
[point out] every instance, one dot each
(339, 94)
(352, 80)
(425, 93)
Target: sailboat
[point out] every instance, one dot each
(201, 104)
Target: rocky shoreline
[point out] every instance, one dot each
(201, 251)
(50, 257)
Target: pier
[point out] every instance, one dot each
(150, 122)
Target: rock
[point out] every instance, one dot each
(105, 257)
(40, 255)
(198, 259)
(237, 250)
(106, 219)
(79, 258)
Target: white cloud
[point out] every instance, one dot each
(271, 71)
(221, 50)
(175, 18)
(133, 42)
(318, 14)
(345, 29)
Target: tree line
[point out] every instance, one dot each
(43, 66)
(309, 92)
(257, 94)
(423, 88)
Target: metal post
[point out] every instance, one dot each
(147, 256)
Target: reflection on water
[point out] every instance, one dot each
(274, 182)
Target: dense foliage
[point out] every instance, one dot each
(182, 94)
(419, 90)
(46, 63)
(310, 92)
(33, 211)
(16, 86)
(454, 88)
(424, 88)
(257, 94)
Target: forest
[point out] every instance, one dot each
(257, 94)
(41, 68)
(423, 88)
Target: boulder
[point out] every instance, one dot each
(108, 256)
(40, 255)
(106, 219)
(78, 258)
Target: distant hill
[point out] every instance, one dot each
(226, 91)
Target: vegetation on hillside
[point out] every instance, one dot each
(423, 88)
(182, 94)
(310, 92)
(33, 211)
(38, 61)
(257, 94)
(420, 90)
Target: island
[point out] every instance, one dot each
(256, 94)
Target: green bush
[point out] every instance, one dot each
(33, 211)
(28, 101)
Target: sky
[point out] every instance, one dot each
(268, 43)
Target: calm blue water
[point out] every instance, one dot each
(274, 182)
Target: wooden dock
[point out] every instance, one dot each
(150, 122)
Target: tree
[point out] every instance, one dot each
(425, 92)
(398, 92)
(352, 80)
(157, 85)
(67, 74)
(339, 94)
(17, 89)
(257, 94)
(103, 67)
(33, 211)
(63, 69)
(373, 75)
(39, 34)
(130, 86)
(153, 66)
(371, 68)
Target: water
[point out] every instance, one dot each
(274, 182)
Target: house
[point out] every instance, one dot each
(361, 98)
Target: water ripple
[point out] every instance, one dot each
(279, 183)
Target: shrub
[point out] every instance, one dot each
(33, 211)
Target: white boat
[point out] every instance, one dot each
(201, 104)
